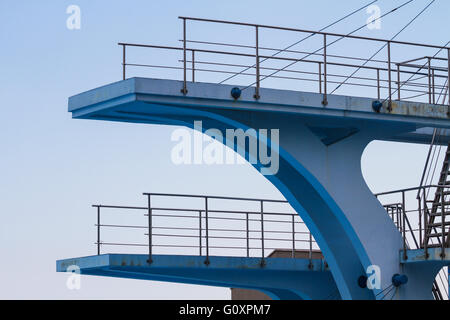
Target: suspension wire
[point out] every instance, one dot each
(427, 167)
(438, 136)
(435, 164)
(331, 43)
(381, 292)
(384, 46)
(304, 39)
(393, 295)
(436, 133)
(415, 73)
(389, 291)
(445, 87)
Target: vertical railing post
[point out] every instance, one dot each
(184, 89)
(293, 236)
(257, 96)
(420, 220)
(124, 63)
(405, 257)
(310, 265)
(389, 75)
(388, 209)
(247, 234)
(425, 224)
(200, 232)
(429, 80)
(396, 217)
(193, 65)
(398, 82)
(206, 231)
(150, 229)
(442, 224)
(325, 91)
(433, 84)
(262, 234)
(320, 77)
(98, 230)
(448, 79)
(378, 85)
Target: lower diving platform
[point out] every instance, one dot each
(279, 278)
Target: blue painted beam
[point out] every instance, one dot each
(291, 277)
(119, 101)
(434, 256)
(422, 270)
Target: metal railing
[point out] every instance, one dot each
(411, 214)
(250, 227)
(200, 225)
(410, 209)
(429, 79)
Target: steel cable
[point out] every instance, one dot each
(304, 39)
(333, 42)
(384, 46)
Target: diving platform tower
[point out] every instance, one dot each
(321, 140)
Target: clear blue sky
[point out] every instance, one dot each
(52, 168)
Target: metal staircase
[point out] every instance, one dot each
(438, 222)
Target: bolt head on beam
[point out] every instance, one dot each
(236, 93)
(399, 279)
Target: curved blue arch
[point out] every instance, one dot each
(322, 215)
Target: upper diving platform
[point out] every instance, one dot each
(404, 87)
(144, 100)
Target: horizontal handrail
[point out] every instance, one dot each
(278, 225)
(272, 58)
(314, 32)
(302, 79)
(412, 189)
(211, 197)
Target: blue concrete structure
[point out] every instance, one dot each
(320, 151)
(424, 269)
(281, 278)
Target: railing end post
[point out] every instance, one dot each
(184, 89)
(150, 230)
(262, 263)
